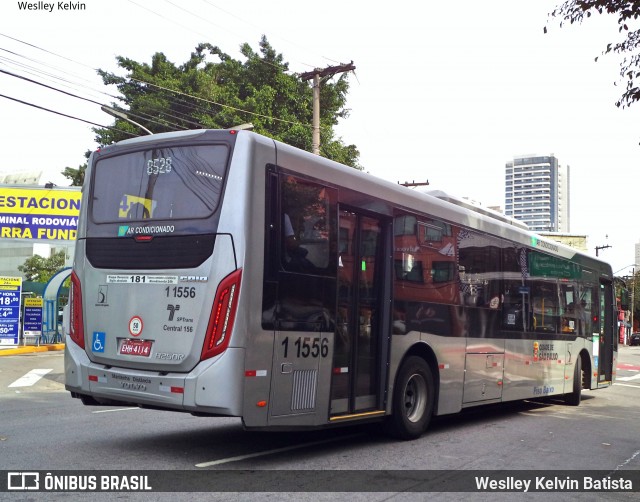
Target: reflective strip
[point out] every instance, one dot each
(171, 390)
(443, 366)
(338, 371)
(255, 373)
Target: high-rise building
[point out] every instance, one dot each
(537, 192)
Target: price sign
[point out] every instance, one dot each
(10, 289)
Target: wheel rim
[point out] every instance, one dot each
(415, 397)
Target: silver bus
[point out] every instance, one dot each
(223, 273)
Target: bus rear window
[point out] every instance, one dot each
(159, 184)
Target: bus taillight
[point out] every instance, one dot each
(222, 316)
(76, 326)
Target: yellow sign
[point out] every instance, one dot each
(42, 214)
(38, 201)
(33, 302)
(10, 281)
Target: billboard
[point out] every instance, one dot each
(39, 214)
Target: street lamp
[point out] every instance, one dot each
(120, 115)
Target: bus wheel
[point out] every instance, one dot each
(412, 399)
(573, 398)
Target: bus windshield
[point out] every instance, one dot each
(175, 182)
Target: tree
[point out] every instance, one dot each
(76, 176)
(224, 92)
(575, 11)
(37, 268)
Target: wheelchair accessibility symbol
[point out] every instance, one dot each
(98, 341)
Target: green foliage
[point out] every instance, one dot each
(37, 268)
(213, 90)
(628, 293)
(76, 176)
(576, 11)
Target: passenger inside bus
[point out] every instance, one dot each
(295, 254)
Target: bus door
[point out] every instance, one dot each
(358, 378)
(607, 339)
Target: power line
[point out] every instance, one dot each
(47, 51)
(27, 67)
(49, 87)
(34, 71)
(177, 100)
(82, 98)
(65, 115)
(240, 110)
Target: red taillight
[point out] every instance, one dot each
(76, 326)
(223, 314)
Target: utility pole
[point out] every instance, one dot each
(316, 75)
(598, 248)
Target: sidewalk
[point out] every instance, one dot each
(30, 349)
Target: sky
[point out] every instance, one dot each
(447, 92)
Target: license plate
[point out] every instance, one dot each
(132, 347)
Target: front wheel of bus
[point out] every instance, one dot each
(573, 398)
(413, 398)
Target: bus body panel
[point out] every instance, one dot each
(298, 395)
(76, 362)
(172, 309)
(451, 356)
(213, 387)
(531, 372)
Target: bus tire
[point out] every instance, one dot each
(574, 398)
(413, 399)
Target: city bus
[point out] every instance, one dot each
(222, 273)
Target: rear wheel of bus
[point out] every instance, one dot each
(413, 399)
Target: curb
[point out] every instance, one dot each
(31, 349)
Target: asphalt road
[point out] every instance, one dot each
(43, 429)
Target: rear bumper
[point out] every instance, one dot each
(214, 386)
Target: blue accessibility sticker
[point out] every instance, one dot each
(99, 340)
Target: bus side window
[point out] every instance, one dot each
(514, 306)
(584, 313)
(544, 303)
(308, 232)
(568, 309)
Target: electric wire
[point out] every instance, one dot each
(65, 115)
(80, 97)
(236, 109)
(177, 101)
